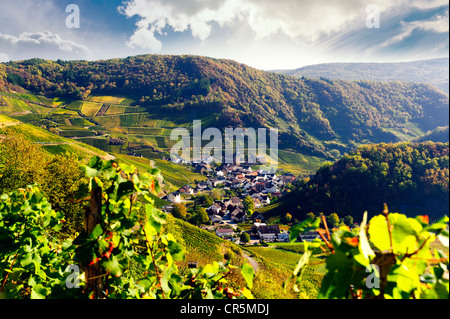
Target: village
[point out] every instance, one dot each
(245, 184)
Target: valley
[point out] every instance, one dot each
(345, 147)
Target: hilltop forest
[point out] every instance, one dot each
(318, 117)
(411, 177)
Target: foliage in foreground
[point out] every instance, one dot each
(100, 262)
(387, 258)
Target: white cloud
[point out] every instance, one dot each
(42, 44)
(438, 24)
(429, 4)
(304, 20)
(145, 39)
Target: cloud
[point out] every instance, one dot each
(45, 44)
(429, 4)
(302, 20)
(437, 24)
(145, 39)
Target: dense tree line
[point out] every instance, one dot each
(409, 177)
(24, 163)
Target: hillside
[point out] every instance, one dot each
(412, 178)
(50, 145)
(439, 134)
(142, 98)
(434, 72)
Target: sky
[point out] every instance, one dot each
(265, 34)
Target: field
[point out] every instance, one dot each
(276, 264)
(145, 130)
(90, 108)
(298, 164)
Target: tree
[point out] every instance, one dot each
(23, 163)
(244, 238)
(333, 220)
(348, 220)
(199, 217)
(179, 211)
(288, 218)
(217, 194)
(249, 205)
(204, 200)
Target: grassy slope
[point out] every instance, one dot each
(204, 247)
(276, 265)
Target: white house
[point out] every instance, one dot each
(174, 197)
(268, 232)
(225, 232)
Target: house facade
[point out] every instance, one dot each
(268, 232)
(174, 197)
(224, 232)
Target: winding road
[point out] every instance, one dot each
(252, 262)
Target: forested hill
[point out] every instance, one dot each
(433, 71)
(318, 117)
(412, 178)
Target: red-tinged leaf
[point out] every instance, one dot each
(423, 219)
(352, 241)
(94, 261)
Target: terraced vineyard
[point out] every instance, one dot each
(277, 263)
(144, 130)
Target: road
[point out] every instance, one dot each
(252, 262)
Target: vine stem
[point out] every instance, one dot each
(418, 249)
(158, 275)
(386, 214)
(329, 245)
(12, 265)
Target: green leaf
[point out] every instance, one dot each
(26, 260)
(175, 250)
(443, 237)
(96, 232)
(39, 292)
(404, 233)
(405, 279)
(305, 226)
(303, 261)
(211, 269)
(248, 273)
(149, 230)
(90, 172)
(125, 189)
(378, 232)
(113, 266)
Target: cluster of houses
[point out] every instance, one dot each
(259, 185)
(262, 231)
